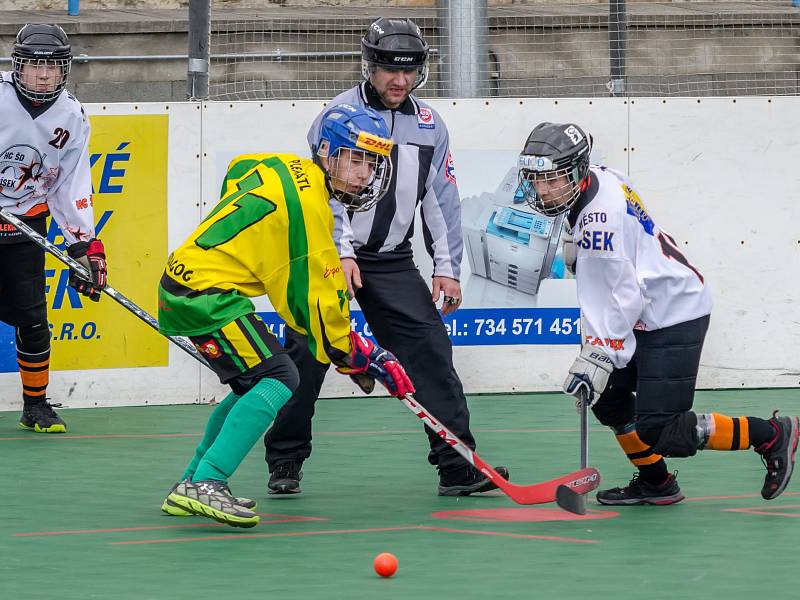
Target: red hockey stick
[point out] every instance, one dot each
(581, 482)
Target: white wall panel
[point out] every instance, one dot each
(719, 174)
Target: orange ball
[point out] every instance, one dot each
(385, 564)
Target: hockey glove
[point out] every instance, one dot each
(368, 362)
(588, 375)
(569, 251)
(91, 255)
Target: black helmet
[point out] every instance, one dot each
(394, 44)
(41, 44)
(554, 150)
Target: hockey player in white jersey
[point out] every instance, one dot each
(645, 309)
(44, 169)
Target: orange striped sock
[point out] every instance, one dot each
(35, 376)
(723, 432)
(638, 452)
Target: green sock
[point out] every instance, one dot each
(213, 426)
(245, 424)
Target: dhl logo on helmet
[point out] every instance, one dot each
(375, 144)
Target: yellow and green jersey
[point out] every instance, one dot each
(271, 233)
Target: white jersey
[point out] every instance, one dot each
(44, 160)
(630, 273)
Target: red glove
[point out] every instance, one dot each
(91, 255)
(368, 362)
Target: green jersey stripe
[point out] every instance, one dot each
(198, 315)
(229, 350)
(297, 292)
(178, 289)
(254, 338)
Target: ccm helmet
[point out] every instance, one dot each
(41, 44)
(553, 151)
(364, 133)
(394, 44)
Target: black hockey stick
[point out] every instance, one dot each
(568, 498)
(126, 302)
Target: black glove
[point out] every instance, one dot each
(91, 255)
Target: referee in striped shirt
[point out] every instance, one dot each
(377, 259)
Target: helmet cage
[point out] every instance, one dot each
(338, 173)
(363, 133)
(21, 62)
(538, 169)
(37, 46)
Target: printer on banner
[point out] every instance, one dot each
(507, 241)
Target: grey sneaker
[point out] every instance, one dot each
(172, 509)
(778, 455)
(212, 499)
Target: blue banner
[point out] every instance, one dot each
(486, 326)
(467, 327)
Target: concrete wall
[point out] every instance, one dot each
(44, 5)
(553, 50)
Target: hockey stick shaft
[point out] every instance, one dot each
(584, 431)
(123, 300)
(574, 500)
(582, 481)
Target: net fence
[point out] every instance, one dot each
(521, 49)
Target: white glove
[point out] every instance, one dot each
(588, 375)
(569, 251)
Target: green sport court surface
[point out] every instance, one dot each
(81, 513)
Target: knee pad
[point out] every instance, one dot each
(279, 367)
(622, 429)
(33, 339)
(614, 412)
(677, 439)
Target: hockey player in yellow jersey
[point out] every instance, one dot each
(271, 234)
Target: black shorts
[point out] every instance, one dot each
(22, 284)
(658, 383)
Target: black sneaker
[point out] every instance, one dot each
(41, 418)
(467, 480)
(638, 491)
(778, 455)
(285, 478)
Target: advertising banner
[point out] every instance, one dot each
(128, 156)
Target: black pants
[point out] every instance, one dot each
(658, 383)
(22, 285)
(404, 320)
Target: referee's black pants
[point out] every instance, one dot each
(404, 320)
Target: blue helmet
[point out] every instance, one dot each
(364, 134)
